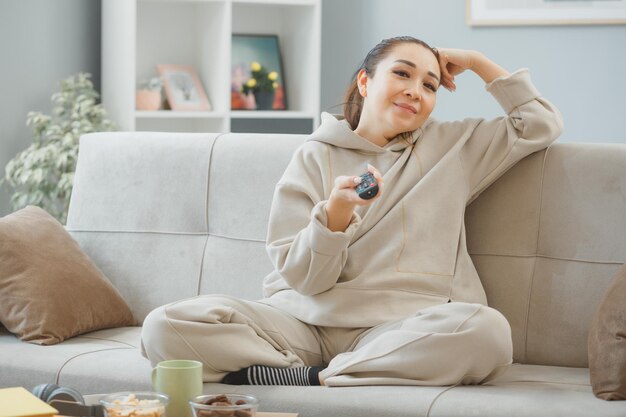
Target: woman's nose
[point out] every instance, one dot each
(413, 93)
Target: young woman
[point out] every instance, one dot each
(378, 291)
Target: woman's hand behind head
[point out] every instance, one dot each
(453, 62)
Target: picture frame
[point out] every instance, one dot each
(545, 12)
(265, 51)
(183, 88)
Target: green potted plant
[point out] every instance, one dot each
(43, 173)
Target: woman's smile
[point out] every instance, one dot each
(406, 108)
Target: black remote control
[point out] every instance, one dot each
(368, 187)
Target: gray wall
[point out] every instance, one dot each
(41, 43)
(578, 68)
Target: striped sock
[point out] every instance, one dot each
(266, 375)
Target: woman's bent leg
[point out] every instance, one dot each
(448, 344)
(227, 334)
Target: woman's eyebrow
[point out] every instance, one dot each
(411, 64)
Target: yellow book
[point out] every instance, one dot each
(19, 402)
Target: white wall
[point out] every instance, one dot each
(579, 68)
(41, 43)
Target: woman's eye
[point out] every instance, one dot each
(431, 87)
(401, 73)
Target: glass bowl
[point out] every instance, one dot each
(224, 405)
(135, 404)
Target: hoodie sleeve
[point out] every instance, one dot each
(532, 123)
(306, 254)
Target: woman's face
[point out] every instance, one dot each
(402, 93)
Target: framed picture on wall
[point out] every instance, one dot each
(545, 12)
(183, 88)
(257, 76)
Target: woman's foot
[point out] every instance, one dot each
(266, 375)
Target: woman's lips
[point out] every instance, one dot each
(407, 107)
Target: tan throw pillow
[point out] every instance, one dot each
(49, 288)
(607, 342)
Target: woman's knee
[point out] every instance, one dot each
(165, 329)
(206, 309)
(493, 332)
(493, 322)
(153, 332)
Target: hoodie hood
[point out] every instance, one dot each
(335, 130)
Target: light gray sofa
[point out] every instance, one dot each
(171, 215)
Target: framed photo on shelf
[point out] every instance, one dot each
(257, 76)
(545, 12)
(183, 88)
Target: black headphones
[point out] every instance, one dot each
(51, 392)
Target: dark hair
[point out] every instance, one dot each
(353, 101)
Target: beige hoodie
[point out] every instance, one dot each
(407, 250)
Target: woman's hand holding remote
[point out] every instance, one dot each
(344, 198)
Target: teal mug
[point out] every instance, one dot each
(181, 380)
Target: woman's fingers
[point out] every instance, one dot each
(443, 65)
(374, 171)
(453, 62)
(447, 79)
(449, 84)
(347, 181)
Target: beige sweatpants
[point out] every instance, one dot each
(448, 344)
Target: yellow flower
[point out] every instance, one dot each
(255, 66)
(251, 83)
(272, 75)
(274, 85)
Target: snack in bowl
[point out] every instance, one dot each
(224, 405)
(135, 404)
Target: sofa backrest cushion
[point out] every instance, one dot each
(546, 239)
(244, 171)
(167, 216)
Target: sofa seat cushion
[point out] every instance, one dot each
(101, 361)
(110, 360)
(529, 390)
(363, 401)
(524, 390)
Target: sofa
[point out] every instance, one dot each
(167, 216)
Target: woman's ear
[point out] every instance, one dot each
(361, 82)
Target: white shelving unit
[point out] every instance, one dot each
(139, 34)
